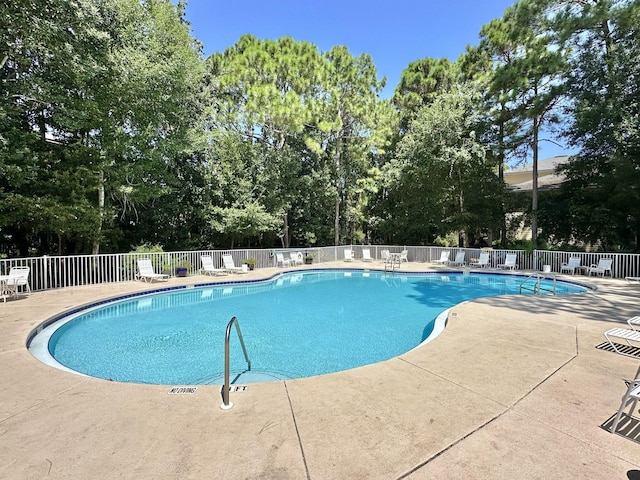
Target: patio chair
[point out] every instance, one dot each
(146, 273)
(634, 322)
(208, 268)
(296, 258)
(509, 262)
(230, 266)
(459, 259)
(404, 256)
(348, 255)
(444, 257)
(603, 266)
(366, 255)
(10, 284)
(631, 338)
(281, 261)
(570, 266)
(631, 397)
(483, 261)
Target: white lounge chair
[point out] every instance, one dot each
(281, 261)
(208, 268)
(384, 255)
(631, 397)
(10, 284)
(459, 259)
(603, 266)
(348, 255)
(230, 266)
(444, 257)
(509, 261)
(146, 273)
(366, 255)
(634, 322)
(296, 258)
(571, 265)
(630, 336)
(483, 261)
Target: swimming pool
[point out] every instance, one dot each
(299, 324)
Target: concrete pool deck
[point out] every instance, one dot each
(513, 388)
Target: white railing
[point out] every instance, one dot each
(49, 272)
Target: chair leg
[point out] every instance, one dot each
(623, 405)
(619, 414)
(617, 419)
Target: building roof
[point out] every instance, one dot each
(548, 164)
(520, 178)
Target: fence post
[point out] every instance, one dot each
(45, 272)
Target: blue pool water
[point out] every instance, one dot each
(297, 325)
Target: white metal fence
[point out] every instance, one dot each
(49, 272)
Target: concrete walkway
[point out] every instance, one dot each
(513, 388)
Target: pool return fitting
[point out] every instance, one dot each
(226, 404)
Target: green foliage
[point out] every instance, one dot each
(449, 240)
(526, 245)
(440, 181)
(147, 248)
(97, 95)
(601, 194)
(420, 84)
(243, 224)
(114, 131)
(179, 263)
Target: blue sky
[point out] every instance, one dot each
(393, 33)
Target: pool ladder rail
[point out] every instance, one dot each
(226, 404)
(391, 262)
(537, 288)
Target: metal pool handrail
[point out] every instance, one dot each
(226, 404)
(537, 287)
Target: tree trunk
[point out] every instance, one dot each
(534, 177)
(462, 235)
(96, 239)
(501, 149)
(336, 220)
(286, 241)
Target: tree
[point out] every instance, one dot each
(526, 83)
(488, 70)
(420, 83)
(348, 129)
(601, 191)
(266, 91)
(440, 181)
(98, 98)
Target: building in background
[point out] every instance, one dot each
(520, 180)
